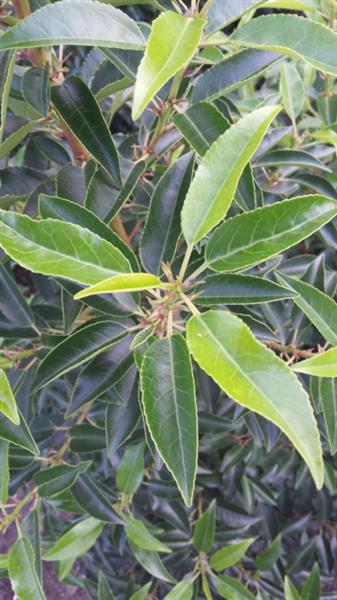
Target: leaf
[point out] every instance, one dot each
(219, 172)
(15, 138)
(123, 412)
(229, 555)
(130, 471)
(18, 434)
(232, 589)
(104, 591)
(151, 562)
(323, 364)
(266, 559)
(21, 561)
(220, 14)
(168, 398)
(238, 289)
(292, 35)
(92, 499)
(48, 247)
(142, 593)
(12, 303)
(81, 112)
(35, 88)
(77, 348)
(4, 472)
(290, 157)
(7, 400)
(142, 336)
(255, 236)
(130, 282)
(74, 22)
(292, 90)
(162, 227)
(172, 43)
(201, 124)
(328, 397)
(181, 591)
(76, 541)
(139, 535)
(204, 531)
(312, 587)
(320, 309)
(254, 377)
(56, 479)
(290, 592)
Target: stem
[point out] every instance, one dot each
(198, 271)
(205, 9)
(185, 263)
(17, 510)
(190, 305)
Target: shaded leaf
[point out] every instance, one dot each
(238, 289)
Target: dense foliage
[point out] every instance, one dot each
(168, 276)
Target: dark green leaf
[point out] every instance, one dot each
(56, 479)
(130, 470)
(35, 89)
(238, 289)
(204, 531)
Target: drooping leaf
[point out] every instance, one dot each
(229, 555)
(290, 157)
(137, 532)
(7, 400)
(76, 541)
(238, 289)
(74, 22)
(204, 531)
(171, 45)
(22, 572)
(219, 172)
(255, 236)
(181, 591)
(130, 471)
(254, 377)
(168, 398)
(18, 434)
(323, 364)
(130, 282)
(56, 479)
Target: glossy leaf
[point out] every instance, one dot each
(168, 398)
(219, 172)
(18, 434)
(171, 45)
(47, 247)
(93, 500)
(323, 364)
(74, 22)
(229, 555)
(238, 289)
(255, 236)
(7, 400)
(292, 90)
(130, 282)
(226, 349)
(220, 15)
(201, 124)
(130, 471)
(12, 303)
(35, 88)
(204, 531)
(76, 541)
(137, 532)
(56, 479)
(290, 157)
(22, 572)
(181, 591)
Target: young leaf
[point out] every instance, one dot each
(74, 22)
(312, 587)
(55, 480)
(254, 377)
(48, 247)
(81, 112)
(7, 400)
(255, 236)
(18, 434)
(238, 289)
(76, 541)
(232, 589)
(320, 309)
(229, 555)
(130, 471)
(323, 364)
(292, 90)
(130, 282)
(22, 572)
(139, 535)
(181, 591)
(169, 403)
(172, 43)
(217, 177)
(294, 36)
(204, 531)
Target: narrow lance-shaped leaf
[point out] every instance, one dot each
(130, 282)
(168, 398)
(151, 562)
(181, 591)
(137, 532)
(214, 185)
(201, 124)
(76, 541)
(22, 572)
(323, 364)
(294, 36)
(231, 588)
(18, 434)
(328, 397)
(254, 377)
(75, 22)
(171, 45)
(4, 479)
(204, 531)
(104, 591)
(292, 90)
(229, 555)
(290, 592)
(130, 471)
(7, 400)
(238, 289)
(55, 480)
(255, 236)
(59, 249)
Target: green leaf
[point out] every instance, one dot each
(172, 43)
(201, 124)
(290, 592)
(76, 541)
(312, 587)
(56, 479)
(81, 112)
(74, 22)
(92, 499)
(18, 434)
(84, 344)
(255, 236)
(22, 573)
(229, 555)
(4, 472)
(130, 282)
(48, 247)
(104, 591)
(238, 289)
(323, 364)
(232, 589)
(266, 559)
(204, 531)
(35, 88)
(254, 377)
(328, 396)
(292, 90)
(142, 593)
(12, 303)
(290, 157)
(320, 309)
(220, 14)
(293, 36)
(162, 227)
(140, 535)
(215, 182)
(181, 591)
(130, 471)
(168, 397)
(7, 400)
(142, 336)
(13, 140)
(151, 562)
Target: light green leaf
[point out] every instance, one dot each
(142, 593)
(232, 589)
(317, 306)
(229, 555)
(255, 236)
(323, 364)
(290, 592)
(328, 397)
(22, 572)
(204, 530)
(75, 22)
(130, 471)
(181, 591)
(7, 400)
(171, 45)
(292, 90)
(168, 397)
(60, 249)
(213, 187)
(266, 559)
(140, 535)
(254, 377)
(104, 591)
(294, 36)
(76, 541)
(130, 282)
